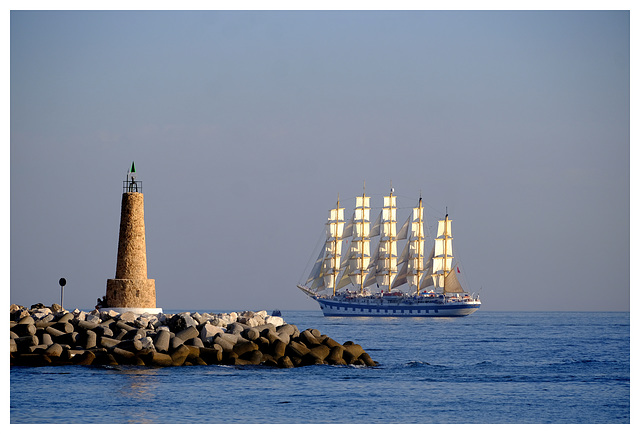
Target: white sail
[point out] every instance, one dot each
(452, 283)
(359, 255)
(348, 229)
(427, 279)
(415, 259)
(327, 267)
(401, 277)
(443, 225)
(404, 230)
(375, 229)
(387, 255)
(443, 257)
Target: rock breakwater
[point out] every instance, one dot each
(52, 336)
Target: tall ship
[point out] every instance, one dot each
(347, 279)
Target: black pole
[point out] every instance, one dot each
(62, 283)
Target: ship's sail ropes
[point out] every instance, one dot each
(443, 258)
(370, 275)
(412, 257)
(327, 267)
(356, 263)
(386, 270)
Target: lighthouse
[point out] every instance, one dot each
(131, 290)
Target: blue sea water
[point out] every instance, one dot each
(487, 368)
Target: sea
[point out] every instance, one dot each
(486, 368)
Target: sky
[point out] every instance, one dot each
(245, 126)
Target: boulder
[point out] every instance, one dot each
(251, 334)
(278, 349)
(24, 329)
(66, 317)
(64, 327)
(175, 343)
(297, 349)
(128, 317)
(244, 347)
(367, 360)
(90, 339)
(86, 325)
(26, 341)
(285, 362)
(320, 352)
(179, 356)
(141, 322)
(354, 349)
(27, 320)
(147, 343)
(188, 333)
(19, 313)
(211, 356)
(106, 342)
(181, 321)
(254, 357)
(235, 328)
(54, 350)
(93, 318)
(335, 356)
(208, 332)
(45, 339)
(275, 320)
(86, 358)
(162, 340)
(308, 338)
(226, 345)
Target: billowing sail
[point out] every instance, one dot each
(452, 284)
(326, 268)
(355, 265)
(416, 247)
(412, 257)
(386, 266)
(427, 276)
(443, 256)
(363, 266)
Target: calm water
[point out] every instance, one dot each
(490, 367)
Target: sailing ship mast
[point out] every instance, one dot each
(384, 265)
(335, 228)
(326, 268)
(444, 275)
(355, 265)
(412, 257)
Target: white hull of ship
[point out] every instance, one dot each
(375, 307)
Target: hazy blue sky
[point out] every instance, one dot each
(245, 126)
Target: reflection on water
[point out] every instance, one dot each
(138, 391)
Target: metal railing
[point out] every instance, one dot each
(132, 186)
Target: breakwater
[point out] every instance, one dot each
(52, 336)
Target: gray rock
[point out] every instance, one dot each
(147, 343)
(93, 318)
(162, 340)
(181, 321)
(128, 317)
(188, 333)
(141, 322)
(208, 332)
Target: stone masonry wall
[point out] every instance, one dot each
(132, 249)
(131, 293)
(131, 288)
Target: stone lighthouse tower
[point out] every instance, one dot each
(131, 291)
